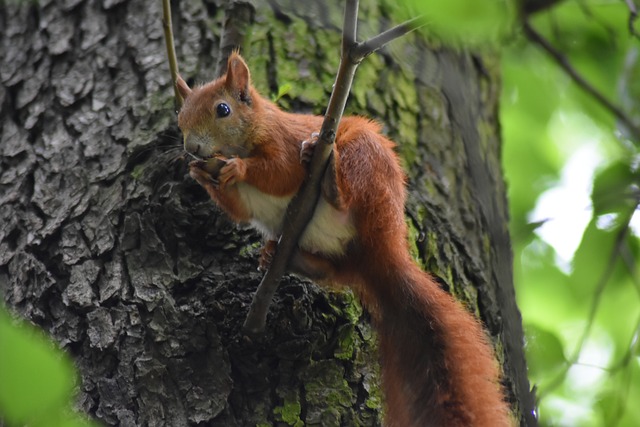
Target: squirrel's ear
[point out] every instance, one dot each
(238, 79)
(183, 88)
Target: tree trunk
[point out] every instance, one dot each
(113, 249)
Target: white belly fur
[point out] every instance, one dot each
(328, 232)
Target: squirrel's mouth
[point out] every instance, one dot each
(212, 167)
(204, 158)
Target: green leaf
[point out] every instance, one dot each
(282, 91)
(585, 32)
(36, 380)
(467, 21)
(630, 86)
(545, 352)
(532, 159)
(617, 403)
(613, 188)
(609, 404)
(538, 278)
(593, 261)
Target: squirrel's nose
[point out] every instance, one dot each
(191, 145)
(197, 145)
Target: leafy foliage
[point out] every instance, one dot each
(582, 316)
(576, 255)
(36, 380)
(467, 22)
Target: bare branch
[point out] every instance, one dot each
(375, 43)
(301, 209)
(563, 62)
(633, 15)
(350, 27)
(171, 49)
(529, 7)
(616, 251)
(632, 349)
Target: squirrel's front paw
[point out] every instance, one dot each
(266, 255)
(234, 171)
(307, 147)
(198, 171)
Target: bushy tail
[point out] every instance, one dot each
(438, 367)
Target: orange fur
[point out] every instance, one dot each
(438, 367)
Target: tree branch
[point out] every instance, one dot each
(301, 209)
(563, 62)
(529, 7)
(375, 43)
(616, 251)
(633, 15)
(171, 49)
(350, 26)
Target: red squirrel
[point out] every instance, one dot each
(438, 367)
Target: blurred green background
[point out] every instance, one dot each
(574, 188)
(573, 174)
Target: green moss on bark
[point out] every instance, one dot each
(290, 411)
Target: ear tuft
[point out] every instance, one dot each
(238, 77)
(183, 88)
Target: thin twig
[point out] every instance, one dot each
(563, 62)
(595, 18)
(171, 49)
(633, 15)
(529, 7)
(630, 261)
(600, 286)
(302, 207)
(350, 26)
(629, 354)
(624, 363)
(375, 43)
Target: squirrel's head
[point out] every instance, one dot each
(217, 118)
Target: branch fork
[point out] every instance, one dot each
(302, 206)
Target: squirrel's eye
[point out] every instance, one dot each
(223, 110)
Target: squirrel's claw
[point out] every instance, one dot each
(307, 147)
(234, 171)
(197, 171)
(266, 255)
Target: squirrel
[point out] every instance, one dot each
(438, 367)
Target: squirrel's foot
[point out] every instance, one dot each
(307, 147)
(314, 266)
(266, 255)
(234, 171)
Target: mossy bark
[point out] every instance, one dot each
(109, 246)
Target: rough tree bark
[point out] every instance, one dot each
(109, 246)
